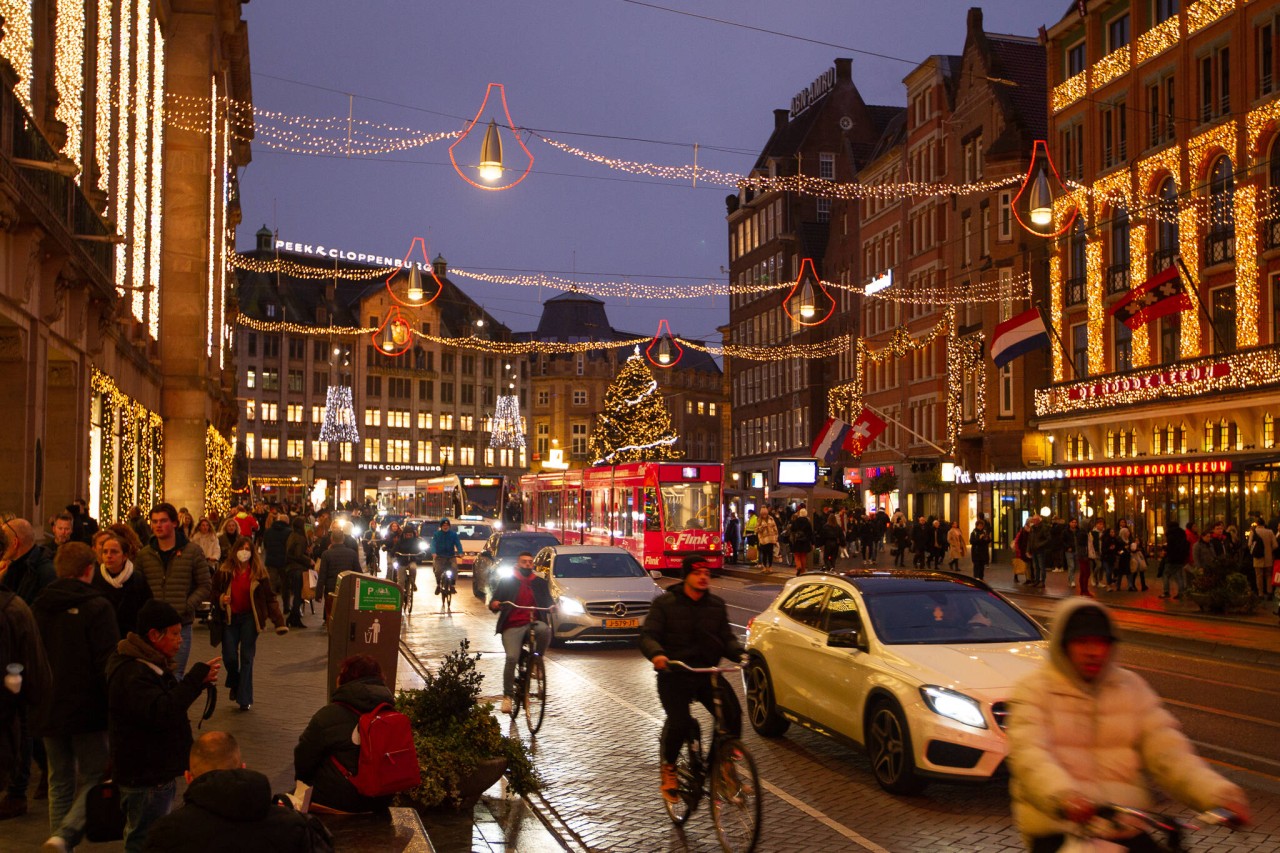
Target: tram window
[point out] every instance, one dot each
(652, 514)
(692, 506)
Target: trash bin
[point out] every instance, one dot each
(365, 621)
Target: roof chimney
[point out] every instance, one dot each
(975, 20)
(844, 69)
(780, 119)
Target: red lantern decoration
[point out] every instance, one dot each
(491, 150)
(395, 335)
(664, 351)
(808, 303)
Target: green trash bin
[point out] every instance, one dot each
(365, 621)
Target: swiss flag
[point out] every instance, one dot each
(862, 431)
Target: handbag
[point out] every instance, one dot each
(103, 815)
(216, 628)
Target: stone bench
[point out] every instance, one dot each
(403, 833)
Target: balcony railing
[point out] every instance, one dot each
(1271, 233)
(1075, 290)
(1118, 278)
(1219, 247)
(1162, 259)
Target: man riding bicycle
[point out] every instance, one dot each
(688, 623)
(446, 547)
(1084, 732)
(525, 589)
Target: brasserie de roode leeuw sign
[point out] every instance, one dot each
(815, 90)
(1154, 379)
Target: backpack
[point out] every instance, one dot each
(1257, 550)
(388, 760)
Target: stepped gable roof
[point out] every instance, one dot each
(1022, 60)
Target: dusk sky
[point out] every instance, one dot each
(621, 79)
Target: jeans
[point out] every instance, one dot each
(143, 807)
(512, 640)
(1037, 567)
(1069, 557)
(441, 564)
(293, 585)
(76, 763)
(1175, 573)
(184, 651)
(676, 690)
(239, 644)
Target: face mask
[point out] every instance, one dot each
(243, 556)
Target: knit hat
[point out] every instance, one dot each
(1088, 621)
(158, 615)
(688, 564)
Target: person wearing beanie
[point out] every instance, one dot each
(1084, 732)
(687, 623)
(147, 723)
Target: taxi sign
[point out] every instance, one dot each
(372, 594)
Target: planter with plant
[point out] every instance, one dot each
(461, 748)
(1221, 588)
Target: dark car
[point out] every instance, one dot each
(499, 556)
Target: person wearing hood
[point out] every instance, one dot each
(125, 588)
(327, 738)
(147, 723)
(297, 563)
(177, 572)
(1085, 732)
(244, 602)
(226, 805)
(78, 627)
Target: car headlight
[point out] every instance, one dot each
(954, 706)
(571, 607)
(505, 571)
(497, 525)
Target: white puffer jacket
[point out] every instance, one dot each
(1071, 738)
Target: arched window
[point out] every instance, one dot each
(1208, 436)
(1157, 441)
(1220, 243)
(1112, 447)
(1167, 231)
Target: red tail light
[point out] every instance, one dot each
(751, 622)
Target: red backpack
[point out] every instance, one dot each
(388, 760)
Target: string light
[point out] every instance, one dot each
(17, 46)
(339, 422)
(1204, 12)
(102, 142)
(890, 191)
(965, 360)
(68, 73)
(219, 457)
(691, 172)
(156, 175)
(1247, 297)
(506, 429)
(122, 487)
(1140, 345)
(1110, 67)
(1157, 40)
(1096, 310)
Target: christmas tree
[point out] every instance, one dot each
(635, 425)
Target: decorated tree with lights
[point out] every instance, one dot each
(635, 425)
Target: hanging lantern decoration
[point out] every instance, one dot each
(395, 335)
(1033, 206)
(492, 167)
(809, 303)
(663, 350)
(408, 290)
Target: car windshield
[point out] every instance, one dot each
(513, 546)
(428, 528)
(467, 531)
(957, 615)
(596, 566)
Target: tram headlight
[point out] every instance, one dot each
(571, 606)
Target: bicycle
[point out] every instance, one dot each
(1110, 817)
(726, 774)
(529, 691)
(447, 589)
(407, 577)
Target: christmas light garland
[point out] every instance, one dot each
(121, 487)
(219, 457)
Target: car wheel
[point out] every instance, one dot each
(889, 748)
(761, 709)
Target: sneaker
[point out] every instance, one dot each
(12, 807)
(55, 844)
(506, 704)
(670, 784)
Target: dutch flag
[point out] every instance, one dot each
(829, 439)
(1018, 336)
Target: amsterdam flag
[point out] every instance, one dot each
(1156, 297)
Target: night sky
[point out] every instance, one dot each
(622, 79)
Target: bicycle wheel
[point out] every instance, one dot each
(690, 772)
(520, 683)
(735, 797)
(535, 693)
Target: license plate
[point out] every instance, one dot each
(622, 623)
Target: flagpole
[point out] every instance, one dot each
(908, 429)
(1194, 287)
(1066, 353)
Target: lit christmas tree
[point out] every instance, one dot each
(635, 425)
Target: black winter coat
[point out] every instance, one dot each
(297, 555)
(126, 600)
(334, 561)
(328, 736)
(801, 534)
(695, 632)
(274, 541)
(147, 713)
(78, 627)
(20, 641)
(29, 574)
(233, 810)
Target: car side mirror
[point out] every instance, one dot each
(847, 638)
(655, 574)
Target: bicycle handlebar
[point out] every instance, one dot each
(704, 669)
(512, 604)
(1119, 815)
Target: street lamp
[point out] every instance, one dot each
(491, 154)
(1041, 201)
(807, 308)
(414, 291)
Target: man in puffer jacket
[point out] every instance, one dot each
(1083, 732)
(177, 572)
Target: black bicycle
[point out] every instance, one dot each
(406, 575)
(1167, 831)
(529, 692)
(726, 774)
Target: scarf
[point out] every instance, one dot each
(134, 646)
(121, 579)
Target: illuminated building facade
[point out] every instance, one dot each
(118, 196)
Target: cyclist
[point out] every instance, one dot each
(690, 624)
(402, 550)
(446, 547)
(1084, 731)
(526, 589)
